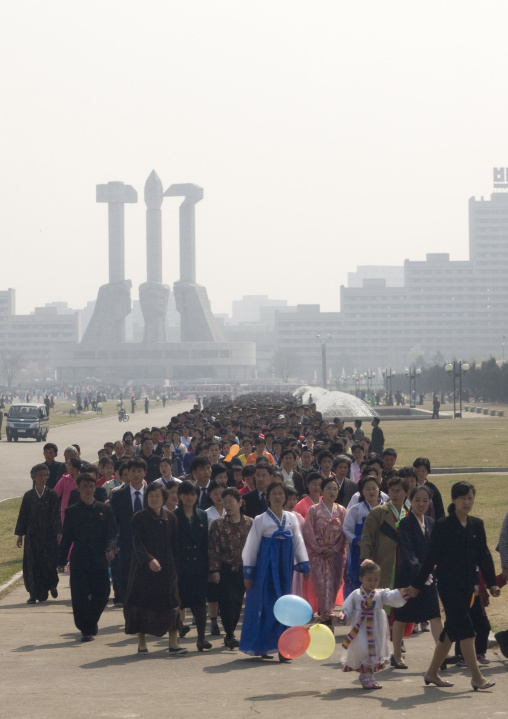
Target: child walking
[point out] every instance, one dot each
(366, 646)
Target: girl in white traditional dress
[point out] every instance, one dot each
(367, 644)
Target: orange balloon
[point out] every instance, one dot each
(232, 452)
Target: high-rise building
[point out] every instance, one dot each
(456, 308)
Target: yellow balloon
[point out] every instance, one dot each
(322, 642)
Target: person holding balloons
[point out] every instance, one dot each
(326, 544)
(367, 644)
(274, 548)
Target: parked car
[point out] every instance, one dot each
(27, 420)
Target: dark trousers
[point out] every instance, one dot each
(230, 590)
(89, 594)
(481, 626)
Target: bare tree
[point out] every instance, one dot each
(11, 365)
(286, 364)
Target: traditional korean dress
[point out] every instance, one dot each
(366, 647)
(323, 528)
(272, 551)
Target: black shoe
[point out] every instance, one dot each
(31, 600)
(502, 640)
(203, 645)
(184, 629)
(54, 592)
(231, 642)
(142, 651)
(176, 651)
(86, 637)
(266, 656)
(283, 660)
(215, 629)
(397, 665)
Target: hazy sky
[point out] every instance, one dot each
(325, 135)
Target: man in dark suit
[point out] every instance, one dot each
(124, 502)
(255, 501)
(157, 442)
(152, 460)
(347, 487)
(56, 469)
(201, 470)
(90, 526)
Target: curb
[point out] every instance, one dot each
(10, 582)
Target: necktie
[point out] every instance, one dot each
(137, 502)
(203, 498)
(263, 499)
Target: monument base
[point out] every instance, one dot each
(157, 362)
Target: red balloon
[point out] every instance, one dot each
(294, 642)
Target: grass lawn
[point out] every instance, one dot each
(60, 413)
(11, 556)
(466, 442)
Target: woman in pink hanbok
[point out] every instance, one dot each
(326, 545)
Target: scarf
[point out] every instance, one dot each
(368, 605)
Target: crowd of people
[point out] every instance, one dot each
(243, 502)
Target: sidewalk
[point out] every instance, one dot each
(47, 672)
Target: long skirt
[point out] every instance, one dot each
(272, 579)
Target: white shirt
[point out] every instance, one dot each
(141, 495)
(213, 514)
(288, 477)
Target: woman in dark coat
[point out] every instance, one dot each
(152, 599)
(193, 557)
(458, 547)
(414, 541)
(39, 523)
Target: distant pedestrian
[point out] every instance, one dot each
(378, 438)
(436, 404)
(147, 402)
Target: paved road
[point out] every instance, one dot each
(16, 458)
(47, 673)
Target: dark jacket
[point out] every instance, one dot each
(152, 467)
(56, 471)
(346, 491)
(92, 529)
(152, 595)
(414, 546)
(253, 504)
(377, 440)
(192, 543)
(456, 552)
(121, 504)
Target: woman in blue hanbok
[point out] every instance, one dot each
(274, 548)
(370, 497)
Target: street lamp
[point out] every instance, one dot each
(323, 341)
(388, 374)
(369, 376)
(412, 373)
(457, 367)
